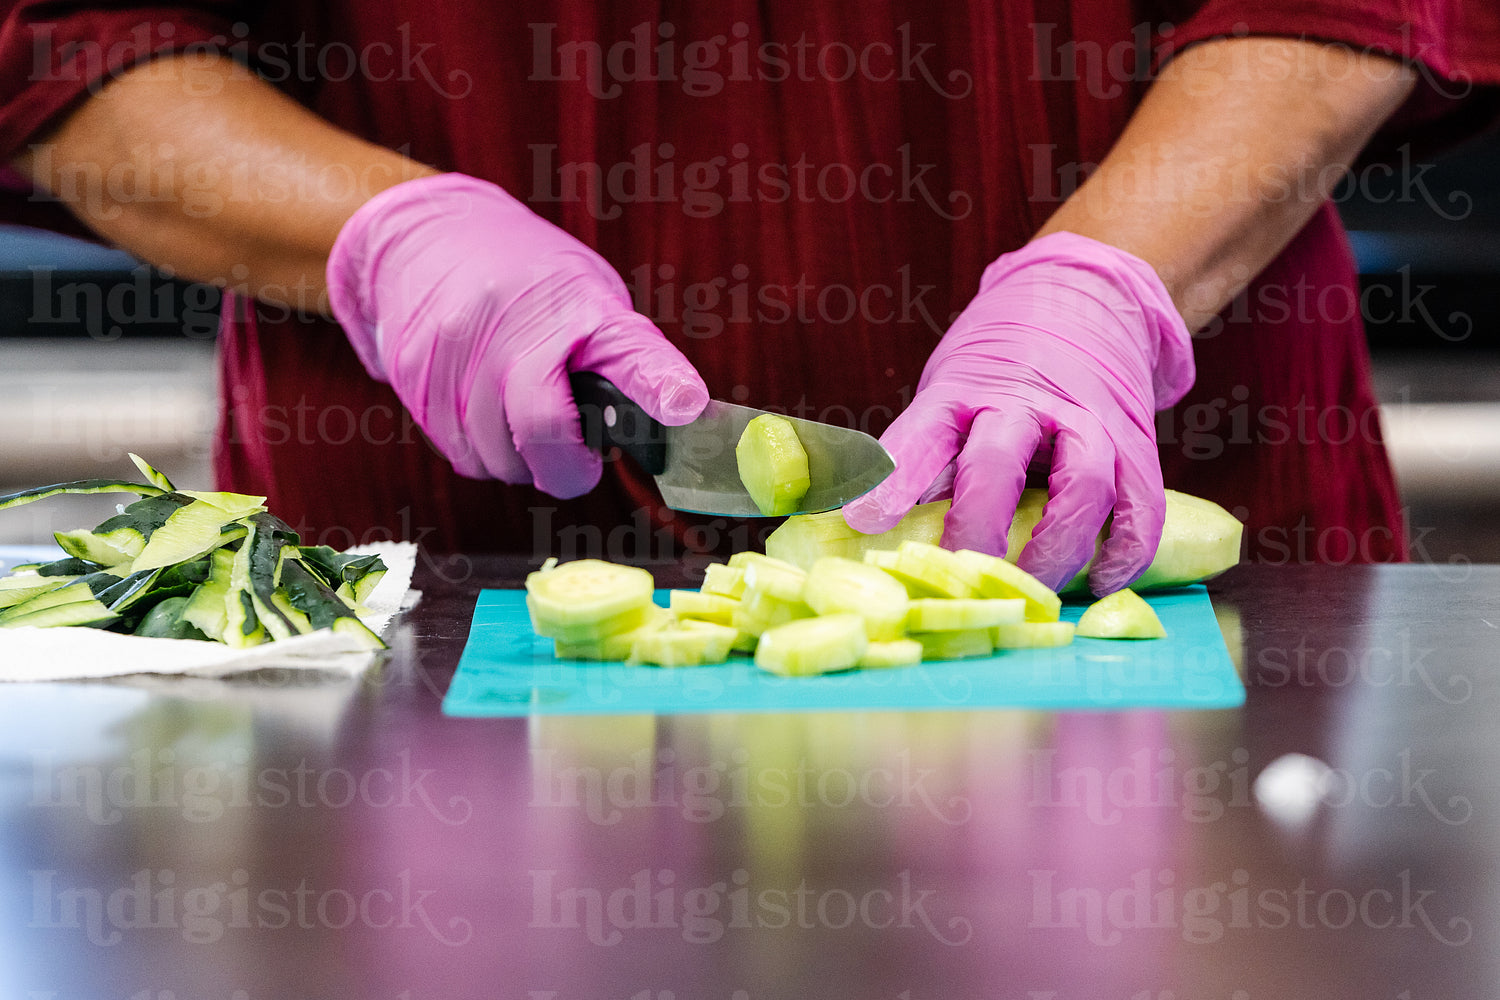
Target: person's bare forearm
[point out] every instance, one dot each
(1235, 146)
(213, 174)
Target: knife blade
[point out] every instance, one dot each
(695, 465)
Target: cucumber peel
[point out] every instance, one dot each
(189, 564)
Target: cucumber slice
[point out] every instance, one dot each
(611, 647)
(937, 570)
(836, 585)
(998, 578)
(951, 614)
(587, 599)
(812, 646)
(1032, 635)
(761, 611)
(684, 643)
(766, 575)
(725, 580)
(772, 464)
(891, 653)
(955, 644)
(696, 605)
(803, 538)
(1121, 615)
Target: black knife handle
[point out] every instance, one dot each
(610, 418)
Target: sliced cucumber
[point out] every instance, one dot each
(1032, 635)
(812, 646)
(587, 599)
(891, 653)
(765, 575)
(836, 585)
(1121, 615)
(954, 613)
(611, 647)
(761, 611)
(934, 569)
(998, 578)
(725, 580)
(956, 643)
(703, 607)
(772, 464)
(685, 643)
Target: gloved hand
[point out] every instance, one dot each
(1067, 351)
(475, 310)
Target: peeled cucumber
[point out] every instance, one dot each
(1032, 635)
(772, 464)
(587, 599)
(1200, 539)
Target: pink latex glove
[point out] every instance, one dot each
(475, 309)
(1067, 351)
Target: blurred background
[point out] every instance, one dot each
(100, 356)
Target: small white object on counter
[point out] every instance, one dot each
(54, 654)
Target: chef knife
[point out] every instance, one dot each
(695, 465)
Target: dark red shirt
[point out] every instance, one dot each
(802, 195)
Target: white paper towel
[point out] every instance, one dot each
(51, 654)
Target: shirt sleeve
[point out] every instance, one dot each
(1453, 45)
(55, 54)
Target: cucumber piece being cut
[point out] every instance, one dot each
(1121, 615)
(772, 464)
(587, 599)
(812, 646)
(836, 585)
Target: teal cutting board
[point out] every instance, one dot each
(506, 670)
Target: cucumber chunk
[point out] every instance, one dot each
(891, 653)
(1121, 615)
(812, 646)
(696, 605)
(955, 644)
(836, 585)
(1032, 635)
(955, 613)
(766, 575)
(685, 643)
(611, 647)
(725, 580)
(772, 464)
